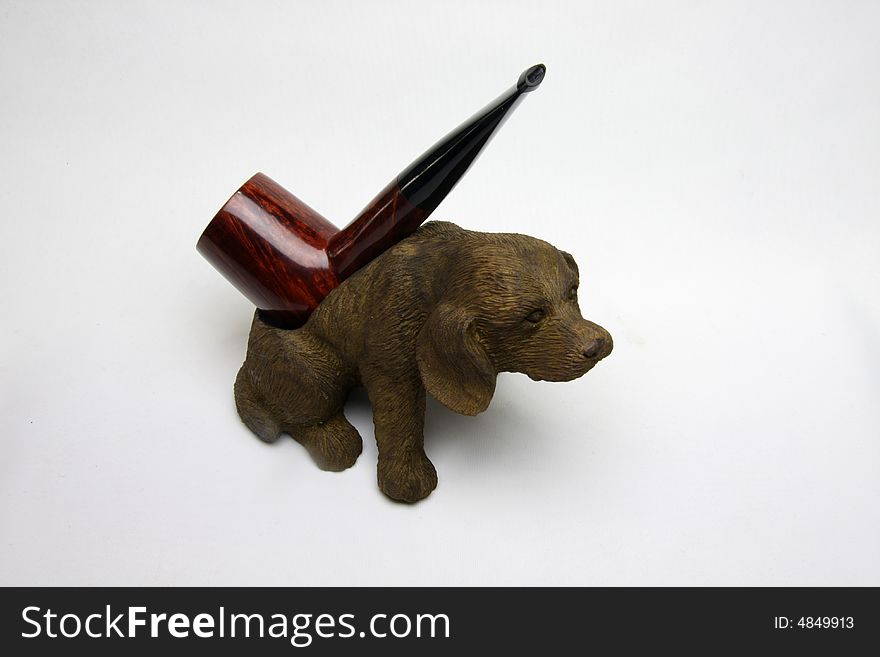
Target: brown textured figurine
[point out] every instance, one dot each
(443, 311)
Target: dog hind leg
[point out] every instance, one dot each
(334, 445)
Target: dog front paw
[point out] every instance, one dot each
(407, 477)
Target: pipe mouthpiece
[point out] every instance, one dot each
(531, 78)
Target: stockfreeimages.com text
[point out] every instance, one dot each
(300, 629)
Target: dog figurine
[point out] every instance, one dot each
(445, 310)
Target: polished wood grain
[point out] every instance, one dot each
(386, 220)
(285, 257)
(273, 248)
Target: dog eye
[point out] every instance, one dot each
(535, 316)
(573, 293)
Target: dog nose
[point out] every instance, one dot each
(594, 348)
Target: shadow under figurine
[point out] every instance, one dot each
(445, 310)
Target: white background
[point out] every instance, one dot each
(713, 167)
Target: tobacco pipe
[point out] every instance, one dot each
(285, 257)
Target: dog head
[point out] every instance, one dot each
(510, 306)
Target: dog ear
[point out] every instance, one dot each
(570, 261)
(452, 363)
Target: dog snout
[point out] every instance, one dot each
(597, 347)
(593, 348)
